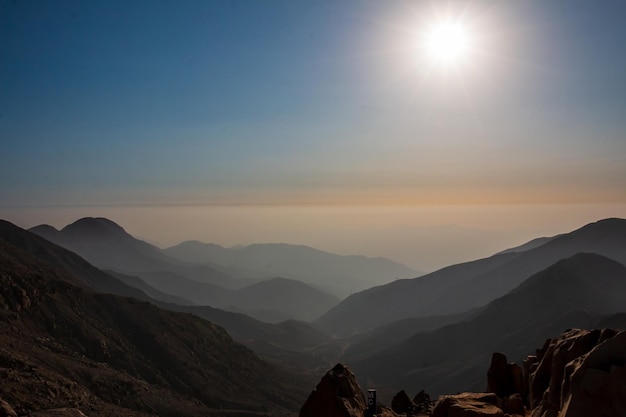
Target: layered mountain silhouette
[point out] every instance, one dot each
(281, 299)
(339, 275)
(293, 341)
(461, 287)
(107, 245)
(63, 344)
(580, 291)
(70, 334)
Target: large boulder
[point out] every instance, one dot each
(595, 383)
(468, 405)
(338, 394)
(514, 405)
(546, 380)
(503, 378)
(581, 373)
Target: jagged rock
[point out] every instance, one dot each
(468, 405)
(496, 375)
(401, 403)
(382, 411)
(6, 410)
(337, 395)
(545, 382)
(504, 379)
(529, 365)
(597, 383)
(58, 412)
(581, 373)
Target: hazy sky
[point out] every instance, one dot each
(269, 115)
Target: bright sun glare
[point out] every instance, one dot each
(447, 43)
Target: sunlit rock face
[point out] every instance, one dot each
(581, 373)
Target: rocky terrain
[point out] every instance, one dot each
(580, 373)
(75, 339)
(65, 346)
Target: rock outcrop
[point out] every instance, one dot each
(580, 373)
(338, 394)
(503, 378)
(513, 405)
(468, 405)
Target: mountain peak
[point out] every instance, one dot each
(590, 266)
(611, 224)
(99, 226)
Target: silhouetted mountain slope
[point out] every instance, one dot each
(340, 275)
(535, 243)
(61, 344)
(289, 335)
(106, 245)
(199, 293)
(152, 292)
(296, 341)
(461, 287)
(401, 299)
(29, 248)
(616, 321)
(194, 251)
(292, 344)
(291, 298)
(572, 293)
(364, 345)
(273, 300)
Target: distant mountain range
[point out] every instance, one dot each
(434, 332)
(109, 246)
(280, 281)
(579, 291)
(461, 287)
(339, 275)
(293, 339)
(63, 344)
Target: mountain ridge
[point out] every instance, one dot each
(338, 274)
(566, 294)
(465, 286)
(63, 343)
(266, 339)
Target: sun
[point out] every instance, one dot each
(447, 43)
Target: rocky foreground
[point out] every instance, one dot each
(581, 373)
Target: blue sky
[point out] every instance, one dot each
(310, 104)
